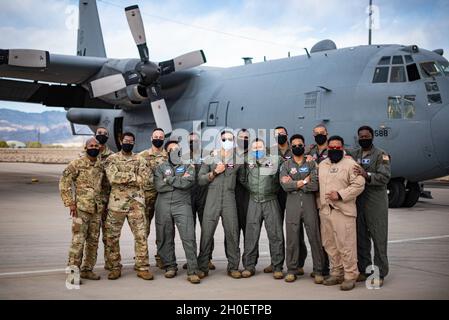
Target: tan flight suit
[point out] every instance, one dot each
(338, 218)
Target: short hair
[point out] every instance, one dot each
(332, 138)
(258, 140)
(242, 130)
(158, 129)
(281, 127)
(168, 143)
(320, 125)
(102, 128)
(366, 128)
(226, 131)
(128, 134)
(89, 140)
(297, 136)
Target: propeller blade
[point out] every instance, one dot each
(135, 23)
(185, 61)
(106, 85)
(25, 58)
(161, 115)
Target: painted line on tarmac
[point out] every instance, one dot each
(419, 239)
(19, 273)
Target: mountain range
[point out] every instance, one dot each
(47, 127)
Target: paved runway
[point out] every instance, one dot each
(35, 236)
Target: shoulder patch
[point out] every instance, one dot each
(385, 157)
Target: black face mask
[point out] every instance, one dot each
(366, 143)
(127, 147)
(320, 139)
(282, 138)
(335, 155)
(298, 151)
(93, 152)
(243, 144)
(101, 138)
(157, 143)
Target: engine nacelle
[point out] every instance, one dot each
(136, 93)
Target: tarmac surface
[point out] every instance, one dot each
(35, 236)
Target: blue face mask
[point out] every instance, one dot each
(258, 154)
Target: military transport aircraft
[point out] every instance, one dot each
(402, 91)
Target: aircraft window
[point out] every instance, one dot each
(412, 72)
(380, 74)
(429, 69)
(401, 107)
(397, 60)
(397, 74)
(432, 86)
(394, 108)
(434, 98)
(444, 66)
(408, 110)
(384, 60)
(408, 58)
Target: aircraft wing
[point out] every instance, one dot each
(61, 74)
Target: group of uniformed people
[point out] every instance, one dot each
(339, 196)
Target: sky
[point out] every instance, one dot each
(225, 30)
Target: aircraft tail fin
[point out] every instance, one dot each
(90, 37)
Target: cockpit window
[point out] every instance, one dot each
(444, 66)
(429, 69)
(397, 74)
(412, 72)
(401, 107)
(380, 75)
(384, 60)
(408, 58)
(397, 60)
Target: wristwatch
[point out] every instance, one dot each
(304, 182)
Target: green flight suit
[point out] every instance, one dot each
(173, 207)
(220, 202)
(261, 178)
(372, 209)
(301, 206)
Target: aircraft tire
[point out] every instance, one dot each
(412, 192)
(396, 193)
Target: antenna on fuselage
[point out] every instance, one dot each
(370, 21)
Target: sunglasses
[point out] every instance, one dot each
(297, 145)
(334, 148)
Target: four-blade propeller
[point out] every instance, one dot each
(146, 73)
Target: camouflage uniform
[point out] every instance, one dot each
(153, 159)
(105, 190)
(86, 177)
(127, 176)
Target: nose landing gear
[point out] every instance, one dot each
(403, 193)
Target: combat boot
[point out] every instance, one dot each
(290, 277)
(202, 274)
(300, 271)
(235, 274)
(362, 277)
(170, 274)
(159, 262)
(268, 269)
(332, 281)
(347, 285)
(145, 275)
(278, 275)
(89, 275)
(319, 279)
(193, 278)
(247, 273)
(114, 274)
(379, 282)
(210, 265)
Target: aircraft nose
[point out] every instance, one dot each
(440, 135)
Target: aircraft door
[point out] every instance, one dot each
(118, 131)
